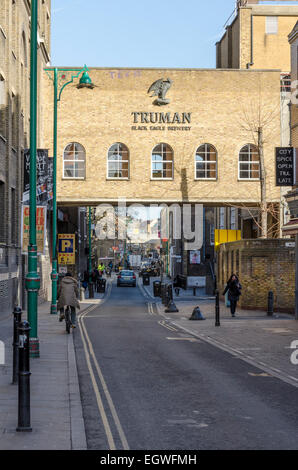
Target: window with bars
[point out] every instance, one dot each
(162, 162)
(249, 163)
(13, 217)
(74, 161)
(206, 162)
(2, 213)
(3, 107)
(118, 161)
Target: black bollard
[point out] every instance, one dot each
(270, 304)
(91, 290)
(17, 316)
(24, 379)
(217, 313)
(177, 291)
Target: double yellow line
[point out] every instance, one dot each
(95, 375)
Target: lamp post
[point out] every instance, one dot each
(32, 282)
(90, 285)
(61, 78)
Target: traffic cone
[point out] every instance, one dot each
(171, 307)
(197, 314)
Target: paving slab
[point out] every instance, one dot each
(56, 410)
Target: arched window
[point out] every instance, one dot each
(118, 161)
(74, 161)
(162, 162)
(249, 163)
(206, 162)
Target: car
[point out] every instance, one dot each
(126, 278)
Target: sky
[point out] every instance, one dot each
(137, 33)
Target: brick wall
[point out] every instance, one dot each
(262, 265)
(103, 116)
(14, 129)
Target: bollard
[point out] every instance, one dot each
(194, 291)
(17, 316)
(82, 293)
(270, 304)
(217, 313)
(24, 379)
(197, 314)
(91, 290)
(170, 292)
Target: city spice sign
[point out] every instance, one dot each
(160, 121)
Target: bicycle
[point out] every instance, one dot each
(67, 314)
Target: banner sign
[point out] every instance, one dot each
(42, 175)
(285, 166)
(41, 222)
(66, 248)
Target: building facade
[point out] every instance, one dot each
(114, 141)
(257, 37)
(14, 132)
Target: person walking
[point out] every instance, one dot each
(233, 288)
(68, 294)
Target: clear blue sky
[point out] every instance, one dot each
(137, 33)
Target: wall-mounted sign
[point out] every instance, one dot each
(160, 121)
(284, 165)
(66, 248)
(41, 222)
(44, 174)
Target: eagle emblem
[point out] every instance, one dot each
(160, 89)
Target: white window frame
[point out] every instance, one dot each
(75, 160)
(249, 163)
(117, 161)
(167, 178)
(200, 178)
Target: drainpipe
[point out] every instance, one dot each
(251, 63)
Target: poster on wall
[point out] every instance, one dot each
(41, 222)
(195, 257)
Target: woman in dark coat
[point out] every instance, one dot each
(234, 291)
(68, 294)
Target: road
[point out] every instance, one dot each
(145, 385)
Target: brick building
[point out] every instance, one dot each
(14, 132)
(262, 266)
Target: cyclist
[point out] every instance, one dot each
(68, 294)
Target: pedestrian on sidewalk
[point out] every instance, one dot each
(233, 288)
(68, 294)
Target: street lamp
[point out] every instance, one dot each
(61, 78)
(32, 277)
(90, 285)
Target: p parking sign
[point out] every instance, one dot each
(66, 248)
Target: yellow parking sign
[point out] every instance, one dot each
(66, 248)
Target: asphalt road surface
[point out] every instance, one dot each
(147, 385)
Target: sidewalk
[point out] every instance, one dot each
(56, 411)
(262, 341)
